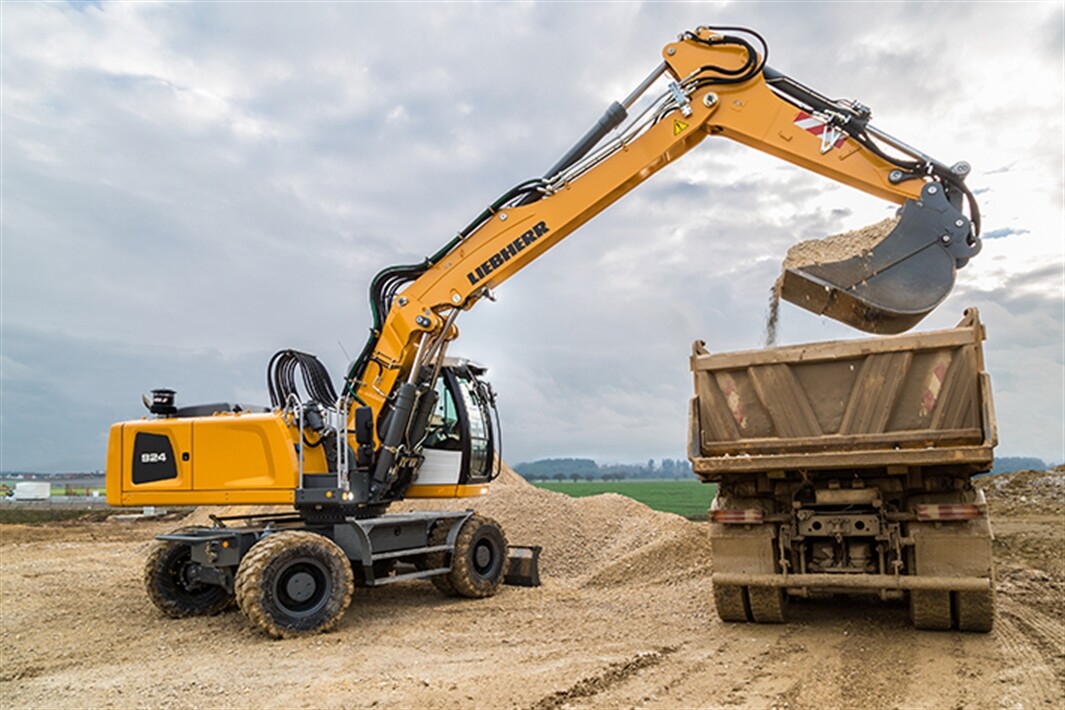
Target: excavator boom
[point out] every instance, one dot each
(717, 85)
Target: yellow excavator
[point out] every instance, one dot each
(410, 421)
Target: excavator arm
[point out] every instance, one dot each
(718, 85)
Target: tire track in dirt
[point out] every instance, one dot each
(950, 666)
(615, 674)
(1047, 633)
(1048, 639)
(733, 665)
(1027, 672)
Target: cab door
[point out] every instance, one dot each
(459, 441)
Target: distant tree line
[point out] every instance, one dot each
(589, 470)
(1009, 464)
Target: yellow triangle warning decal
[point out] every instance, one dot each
(678, 127)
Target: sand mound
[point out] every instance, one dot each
(603, 540)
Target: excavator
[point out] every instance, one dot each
(411, 421)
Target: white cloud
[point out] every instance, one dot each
(190, 187)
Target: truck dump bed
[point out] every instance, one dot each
(912, 400)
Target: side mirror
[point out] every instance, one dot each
(364, 426)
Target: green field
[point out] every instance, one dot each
(688, 498)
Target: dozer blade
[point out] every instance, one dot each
(524, 570)
(890, 288)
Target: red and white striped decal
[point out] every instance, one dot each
(949, 511)
(934, 384)
(732, 397)
(747, 515)
(813, 124)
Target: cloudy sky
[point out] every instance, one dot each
(187, 188)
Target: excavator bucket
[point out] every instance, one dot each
(890, 288)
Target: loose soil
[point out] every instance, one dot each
(837, 247)
(624, 619)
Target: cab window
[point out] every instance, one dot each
(444, 430)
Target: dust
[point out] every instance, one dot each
(837, 247)
(773, 315)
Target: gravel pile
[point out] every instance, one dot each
(601, 540)
(1024, 492)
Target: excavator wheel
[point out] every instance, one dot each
(294, 583)
(732, 603)
(975, 611)
(768, 604)
(930, 609)
(480, 560)
(166, 577)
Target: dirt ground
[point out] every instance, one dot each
(624, 619)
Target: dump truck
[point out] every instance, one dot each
(846, 467)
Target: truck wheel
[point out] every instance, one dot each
(732, 603)
(294, 583)
(975, 610)
(930, 609)
(767, 604)
(480, 560)
(166, 577)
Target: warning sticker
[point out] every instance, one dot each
(678, 127)
(831, 137)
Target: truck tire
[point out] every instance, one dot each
(480, 560)
(975, 611)
(767, 604)
(294, 583)
(930, 609)
(169, 587)
(732, 603)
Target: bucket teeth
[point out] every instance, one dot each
(890, 288)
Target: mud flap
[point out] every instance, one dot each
(524, 566)
(901, 280)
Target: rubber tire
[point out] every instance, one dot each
(163, 579)
(436, 560)
(975, 611)
(930, 609)
(732, 603)
(768, 604)
(479, 537)
(261, 579)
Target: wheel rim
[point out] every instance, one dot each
(303, 587)
(486, 559)
(180, 572)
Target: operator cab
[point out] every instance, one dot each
(460, 440)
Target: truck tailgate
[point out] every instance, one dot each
(919, 399)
